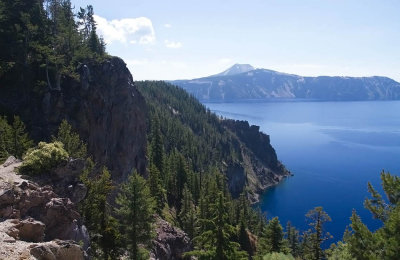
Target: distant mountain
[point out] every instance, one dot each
(236, 69)
(245, 82)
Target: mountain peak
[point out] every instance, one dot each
(236, 69)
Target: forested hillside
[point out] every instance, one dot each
(240, 151)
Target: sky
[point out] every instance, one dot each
(171, 39)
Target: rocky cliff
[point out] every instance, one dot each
(35, 222)
(101, 103)
(260, 167)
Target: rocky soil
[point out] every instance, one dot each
(36, 223)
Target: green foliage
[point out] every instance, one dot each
(71, 140)
(43, 158)
(42, 42)
(103, 228)
(190, 146)
(316, 234)
(385, 242)
(339, 252)
(156, 188)
(20, 141)
(5, 139)
(277, 256)
(187, 215)
(293, 240)
(271, 240)
(187, 127)
(215, 242)
(243, 238)
(136, 213)
(157, 146)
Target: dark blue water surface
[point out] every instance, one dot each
(332, 148)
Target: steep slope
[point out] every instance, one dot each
(241, 151)
(268, 84)
(103, 105)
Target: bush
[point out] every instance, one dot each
(43, 158)
(277, 256)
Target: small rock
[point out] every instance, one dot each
(9, 240)
(10, 160)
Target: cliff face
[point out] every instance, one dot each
(103, 105)
(260, 167)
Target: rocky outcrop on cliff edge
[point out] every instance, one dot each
(36, 223)
(101, 103)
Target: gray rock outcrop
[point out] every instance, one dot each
(103, 105)
(33, 213)
(170, 242)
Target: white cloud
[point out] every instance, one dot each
(225, 61)
(167, 25)
(128, 30)
(172, 44)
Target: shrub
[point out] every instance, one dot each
(277, 256)
(43, 158)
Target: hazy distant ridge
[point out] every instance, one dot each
(242, 81)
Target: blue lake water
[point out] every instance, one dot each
(332, 148)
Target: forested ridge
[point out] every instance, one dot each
(194, 159)
(235, 148)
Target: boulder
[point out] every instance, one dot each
(61, 219)
(57, 250)
(64, 180)
(28, 230)
(170, 242)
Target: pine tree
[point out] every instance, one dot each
(362, 242)
(187, 214)
(216, 242)
(384, 243)
(156, 188)
(5, 139)
(136, 212)
(271, 239)
(20, 141)
(157, 145)
(243, 237)
(292, 236)
(274, 234)
(75, 147)
(316, 234)
(102, 226)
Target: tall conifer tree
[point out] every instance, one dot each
(136, 212)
